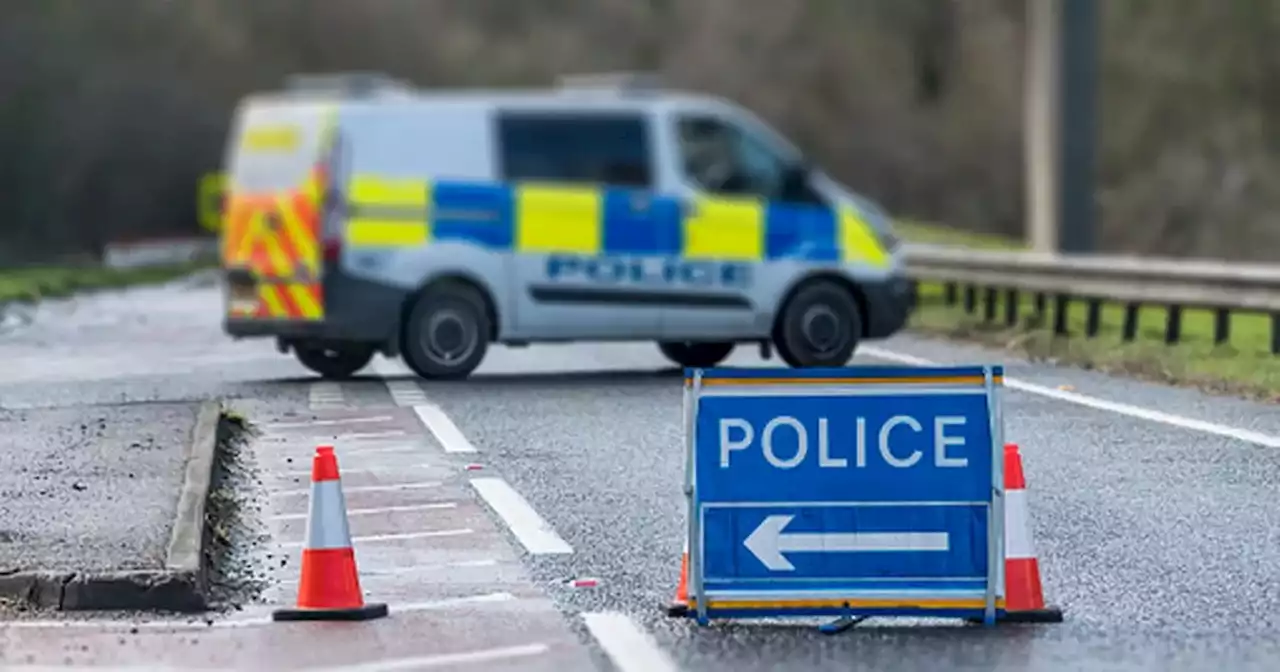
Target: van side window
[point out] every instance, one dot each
(594, 149)
(723, 159)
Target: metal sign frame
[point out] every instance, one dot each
(995, 504)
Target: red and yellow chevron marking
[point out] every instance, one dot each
(277, 238)
(292, 301)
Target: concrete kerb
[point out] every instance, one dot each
(180, 586)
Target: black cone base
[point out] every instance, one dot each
(366, 613)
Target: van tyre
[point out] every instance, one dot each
(819, 326)
(695, 355)
(334, 363)
(447, 332)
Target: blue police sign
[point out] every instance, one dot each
(850, 492)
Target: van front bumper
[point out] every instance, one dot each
(889, 304)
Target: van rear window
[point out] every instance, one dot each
(595, 149)
(273, 149)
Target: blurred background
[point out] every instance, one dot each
(110, 111)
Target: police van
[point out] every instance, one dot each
(364, 216)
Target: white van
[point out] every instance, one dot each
(364, 216)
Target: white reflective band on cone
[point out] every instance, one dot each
(327, 521)
(1017, 526)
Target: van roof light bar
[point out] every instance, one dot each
(613, 81)
(353, 84)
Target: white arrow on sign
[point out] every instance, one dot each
(768, 543)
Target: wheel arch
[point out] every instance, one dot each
(464, 279)
(839, 279)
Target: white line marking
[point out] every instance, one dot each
(325, 395)
(398, 572)
(293, 452)
(1139, 412)
(403, 536)
(361, 451)
(447, 433)
(405, 393)
(534, 533)
(410, 607)
(325, 423)
(375, 510)
(364, 488)
(357, 436)
(630, 648)
(399, 468)
(444, 659)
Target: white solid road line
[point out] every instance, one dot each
(398, 469)
(447, 433)
(411, 570)
(364, 488)
(324, 423)
(375, 510)
(399, 536)
(444, 659)
(1248, 436)
(365, 436)
(630, 648)
(534, 533)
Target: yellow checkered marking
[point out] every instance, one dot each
(857, 241)
(725, 229)
(551, 219)
(408, 229)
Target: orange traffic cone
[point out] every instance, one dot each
(329, 589)
(680, 605)
(1024, 595)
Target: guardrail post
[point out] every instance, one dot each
(1011, 307)
(1042, 304)
(1062, 305)
(990, 304)
(1131, 313)
(1173, 326)
(1093, 318)
(970, 299)
(1221, 326)
(1275, 333)
(949, 293)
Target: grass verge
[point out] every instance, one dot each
(37, 283)
(1244, 366)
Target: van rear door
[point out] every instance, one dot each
(278, 162)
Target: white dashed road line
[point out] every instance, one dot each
(325, 395)
(630, 648)
(450, 437)
(408, 394)
(532, 530)
(405, 392)
(1139, 412)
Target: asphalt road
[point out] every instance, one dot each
(1153, 507)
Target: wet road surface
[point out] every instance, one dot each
(1153, 511)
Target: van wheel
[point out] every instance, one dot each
(819, 326)
(696, 355)
(334, 363)
(447, 332)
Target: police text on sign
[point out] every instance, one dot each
(785, 442)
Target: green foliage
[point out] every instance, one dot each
(113, 109)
